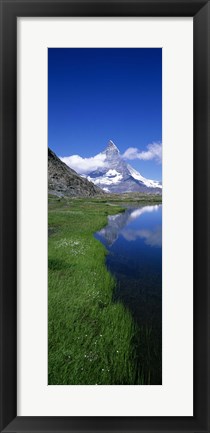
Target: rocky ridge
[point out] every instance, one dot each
(63, 181)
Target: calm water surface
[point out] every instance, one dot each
(134, 242)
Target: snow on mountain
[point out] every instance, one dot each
(148, 182)
(116, 176)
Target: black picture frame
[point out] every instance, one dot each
(10, 10)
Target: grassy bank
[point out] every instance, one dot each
(92, 340)
(132, 197)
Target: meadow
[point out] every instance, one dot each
(91, 338)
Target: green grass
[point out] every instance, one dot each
(92, 340)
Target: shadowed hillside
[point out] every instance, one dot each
(63, 181)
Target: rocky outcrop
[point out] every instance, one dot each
(63, 181)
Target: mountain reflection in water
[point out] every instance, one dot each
(119, 224)
(134, 241)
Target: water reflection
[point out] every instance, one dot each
(134, 242)
(151, 237)
(119, 224)
(109, 234)
(138, 212)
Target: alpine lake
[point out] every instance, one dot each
(134, 243)
(105, 291)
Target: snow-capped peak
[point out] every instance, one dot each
(148, 182)
(111, 148)
(111, 143)
(110, 171)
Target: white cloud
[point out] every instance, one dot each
(138, 212)
(154, 151)
(84, 165)
(152, 238)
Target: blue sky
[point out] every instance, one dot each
(95, 95)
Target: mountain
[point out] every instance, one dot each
(116, 176)
(63, 181)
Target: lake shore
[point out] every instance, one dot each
(90, 336)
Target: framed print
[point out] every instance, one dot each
(104, 216)
(92, 363)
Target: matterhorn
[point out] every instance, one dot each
(116, 176)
